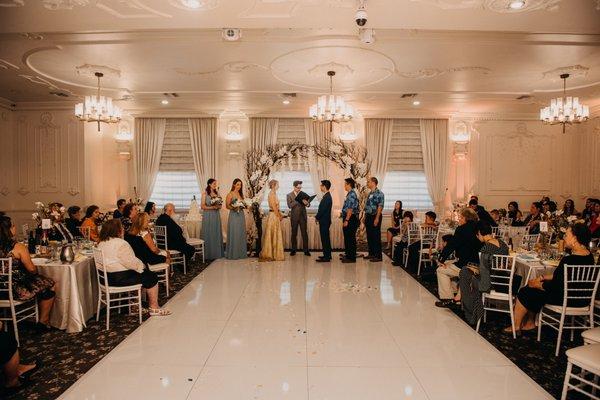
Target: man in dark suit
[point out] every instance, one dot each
(323, 218)
(298, 218)
(175, 238)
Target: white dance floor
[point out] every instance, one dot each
(303, 330)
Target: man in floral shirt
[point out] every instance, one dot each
(373, 210)
(350, 212)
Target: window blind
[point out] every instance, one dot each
(291, 130)
(177, 146)
(405, 152)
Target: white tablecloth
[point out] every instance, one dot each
(76, 293)
(314, 237)
(529, 269)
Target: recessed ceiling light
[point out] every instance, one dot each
(286, 102)
(416, 103)
(165, 102)
(516, 4)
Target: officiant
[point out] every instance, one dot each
(297, 202)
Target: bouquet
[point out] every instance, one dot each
(216, 201)
(238, 205)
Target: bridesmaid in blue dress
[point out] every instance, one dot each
(211, 221)
(236, 247)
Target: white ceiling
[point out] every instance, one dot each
(459, 56)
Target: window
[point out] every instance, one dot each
(405, 178)
(286, 180)
(177, 187)
(176, 180)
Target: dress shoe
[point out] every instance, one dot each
(375, 259)
(348, 261)
(446, 303)
(307, 253)
(321, 260)
(293, 253)
(397, 264)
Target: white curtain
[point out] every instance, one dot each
(378, 137)
(203, 135)
(263, 132)
(434, 141)
(148, 138)
(317, 133)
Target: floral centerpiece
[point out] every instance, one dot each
(52, 212)
(559, 222)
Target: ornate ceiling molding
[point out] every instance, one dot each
(130, 9)
(574, 70)
(199, 5)
(31, 36)
(233, 66)
(340, 69)
(499, 6)
(64, 4)
(287, 8)
(426, 73)
(7, 65)
(88, 70)
(41, 81)
(12, 3)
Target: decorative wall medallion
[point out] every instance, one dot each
(89, 70)
(233, 66)
(500, 6)
(64, 4)
(573, 70)
(4, 191)
(31, 36)
(12, 3)
(7, 65)
(427, 73)
(130, 9)
(195, 5)
(22, 191)
(73, 191)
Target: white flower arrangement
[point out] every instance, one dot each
(216, 201)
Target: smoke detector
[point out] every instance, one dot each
(232, 34)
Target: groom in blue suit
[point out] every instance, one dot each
(323, 218)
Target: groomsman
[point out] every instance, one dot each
(351, 222)
(298, 218)
(373, 210)
(323, 218)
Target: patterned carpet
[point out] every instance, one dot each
(66, 357)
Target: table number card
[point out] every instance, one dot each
(543, 226)
(46, 224)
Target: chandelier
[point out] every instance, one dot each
(564, 110)
(331, 108)
(98, 108)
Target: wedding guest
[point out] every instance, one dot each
(549, 289)
(59, 231)
(465, 245)
(298, 218)
(396, 222)
(211, 204)
(595, 220)
(495, 214)
(150, 209)
(415, 247)
(482, 214)
(323, 218)
(236, 247)
(90, 223)
(373, 211)
(587, 212)
(474, 282)
(16, 375)
(350, 213)
(118, 213)
(514, 214)
(124, 268)
(142, 243)
(398, 250)
(175, 238)
(130, 211)
(74, 221)
(534, 218)
(569, 208)
(27, 283)
(272, 243)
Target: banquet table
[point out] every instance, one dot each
(530, 267)
(76, 292)
(314, 237)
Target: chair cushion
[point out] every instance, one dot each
(6, 303)
(591, 335)
(195, 242)
(396, 239)
(496, 295)
(569, 310)
(158, 267)
(587, 357)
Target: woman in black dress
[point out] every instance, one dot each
(140, 240)
(550, 289)
(396, 223)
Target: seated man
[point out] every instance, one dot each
(415, 247)
(118, 213)
(73, 222)
(175, 238)
(481, 212)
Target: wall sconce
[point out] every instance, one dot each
(124, 137)
(347, 133)
(461, 136)
(234, 131)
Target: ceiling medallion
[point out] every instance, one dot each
(89, 70)
(572, 70)
(565, 110)
(195, 4)
(98, 108)
(64, 4)
(331, 108)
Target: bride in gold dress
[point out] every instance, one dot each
(272, 242)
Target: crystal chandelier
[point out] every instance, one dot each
(98, 108)
(565, 110)
(331, 108)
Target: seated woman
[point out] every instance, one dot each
(569, 208)
(398, 250)
(92, 213)
(74, 221)
(124, 269)
(140, 240)
(534, 217)
(26, 282)
(550, 289)
(396, 222)
(16, 375)
(150, 209)
(514, 214)
(473, 282)
(129, 213)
